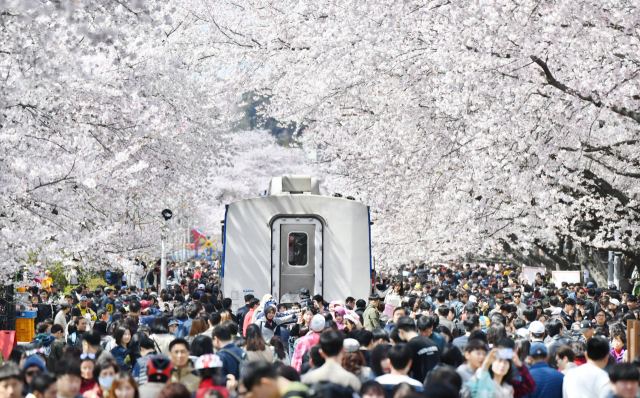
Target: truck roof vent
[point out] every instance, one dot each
(294, 184)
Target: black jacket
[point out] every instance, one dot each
(240, 314)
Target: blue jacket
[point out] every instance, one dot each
(548, 381)
(182, 331)
(148, 320)
(229, 364)
(120, 353)
(389, 327)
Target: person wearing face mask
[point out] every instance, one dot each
(105, 372)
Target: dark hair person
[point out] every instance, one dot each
(255, 345)
(122, 336)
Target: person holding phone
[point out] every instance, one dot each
(495, 375)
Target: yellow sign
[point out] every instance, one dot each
(208, 244)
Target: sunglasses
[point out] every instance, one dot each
(32, 373)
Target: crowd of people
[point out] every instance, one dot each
(459, 330)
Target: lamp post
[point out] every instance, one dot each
(166, 214)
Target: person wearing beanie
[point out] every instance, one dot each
(32, 366)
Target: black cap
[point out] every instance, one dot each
(304, 293)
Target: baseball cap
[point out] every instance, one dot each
(159, 369)
(173, 322)
(538, 349)
(585, 325)
(556, 311)
(201, 287)
(473, 299)
(614, 302)
(590, 284)
(208, 361)
(536, 327)
(83, 298)
(317, 323)
(351, 345)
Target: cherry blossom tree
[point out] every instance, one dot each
(256, 159)
(102, 127)
(469, 127)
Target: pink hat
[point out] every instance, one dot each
(144, 304)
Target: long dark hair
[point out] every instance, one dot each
(118, 334)
(254, 341)
(276, 343)
(379, 353)
(160, 325)
(508, 378)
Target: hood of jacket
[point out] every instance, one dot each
(44, 338)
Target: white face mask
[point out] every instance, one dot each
(106, 382)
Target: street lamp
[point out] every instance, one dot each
(166, 214)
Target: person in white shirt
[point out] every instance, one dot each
(400, 357)
(589, 380)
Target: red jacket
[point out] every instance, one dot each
(206, 385)
(247, 321)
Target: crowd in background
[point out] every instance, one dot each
(455, 330)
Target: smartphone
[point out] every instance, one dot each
(505, 353)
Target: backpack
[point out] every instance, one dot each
(242, 361)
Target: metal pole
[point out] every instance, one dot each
(610, 269)
(163, 259)
(616, 264)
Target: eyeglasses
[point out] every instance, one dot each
(90, 356)
(32, 373)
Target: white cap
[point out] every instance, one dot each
(614, 302)
(201, 287)
(317, 323)
(473, 299)
(536, 327)
(556, 311)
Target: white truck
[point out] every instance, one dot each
(295, 238)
